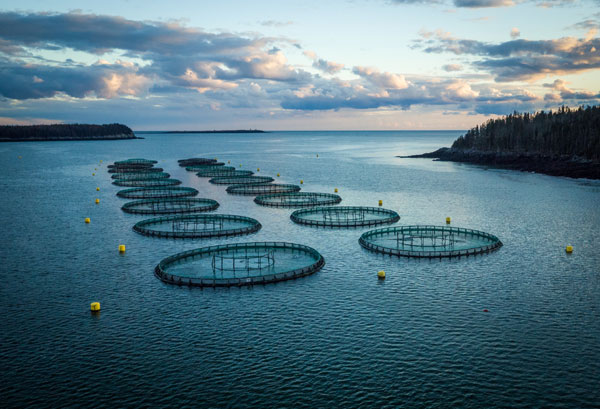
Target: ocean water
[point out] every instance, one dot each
(339, 338)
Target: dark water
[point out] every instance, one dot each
(339, 338)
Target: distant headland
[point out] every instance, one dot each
(561, 143)
(221, 131)
(65, 132)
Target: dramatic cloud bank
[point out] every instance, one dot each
(147, 66)
(521, 59)
(175, 55)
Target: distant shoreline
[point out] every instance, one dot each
(68, 139)
(65, 132)
(221, 131)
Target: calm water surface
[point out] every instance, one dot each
(339, 338)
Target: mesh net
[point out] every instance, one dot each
(429, 241)
(212, 166)
(129, 167)
(344, 216)
(254, 190)
(196, 161)
(170, 206)
(157, 192)
(136, 170)
(136, 161)
(298, 199)
(198, 226)
(147, 182)
(140, 176)
(240, 264)
(225, 172)
(241, 180)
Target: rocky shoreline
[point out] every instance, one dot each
(569, 166)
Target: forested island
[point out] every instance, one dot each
(565, 142)
(64, 132)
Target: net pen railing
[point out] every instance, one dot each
(140, 176)
(428, 241)
(197, 226)
(157, 192)
(344, 216)
(161, 269)
(298, 199)
(136, 170)
(170, 206)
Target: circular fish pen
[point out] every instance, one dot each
(212, 166)
(344, 216)
(157, 192)
(196, 161)
(429, 241)
(241, 264)
(298, 199)
(198, 226)
(141, 176)
(224, 173)
(255, 190)
(129, 167)
(146, 182)
(136, 161)
(170, 206)
(136, 170)
(241, 180)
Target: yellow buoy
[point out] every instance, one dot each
(569, 249)
(97, 189)
(240, 165)
(87, 220)
(381, 203)
(97, 201)
(95, 168)
(95, 307)
(121, 248)
(278, 175)
(335, 190)
(258, 169)
(216, 158)
(100, 160)
(93, 174)
(301, 182)
(381, 275)
(20, 157)
(448, 220)
(228, 161)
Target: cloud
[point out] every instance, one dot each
(43, 81)
(173, 55)
(520, 59)
(328, 67)
(515, 33)
(275, 23)
(363, 94)
(384, 80)
(554, 3)
(452, 67)
(565, 93)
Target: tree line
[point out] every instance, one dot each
(562, 132)
(58, 131)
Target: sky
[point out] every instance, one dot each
(295, 65)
